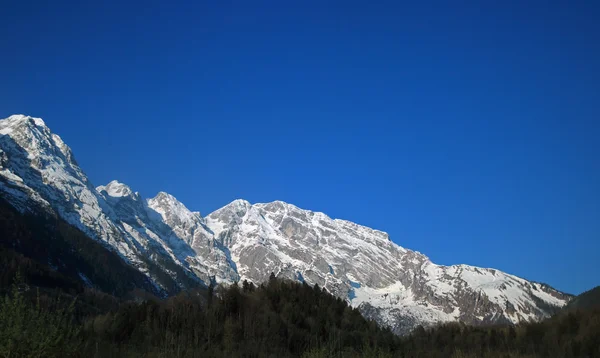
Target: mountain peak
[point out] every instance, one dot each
(17, 118)
(236, 205)
(167, 205)
(166, 197)
(240, 202)
(115, 189)
(43, 147)
(20, 121)
(232, 211)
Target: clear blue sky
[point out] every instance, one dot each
(468, 132)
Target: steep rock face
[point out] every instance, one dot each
(395, 286)
(39, 170)
(164, 226)
(208, 258)
(131, 213)
(39, 167)
(178, 248)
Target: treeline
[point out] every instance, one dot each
(276, 319)
(568, 334)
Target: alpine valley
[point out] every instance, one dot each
(177, 249)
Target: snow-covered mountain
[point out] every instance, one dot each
(38, 171)
(395, 286)
(178, 248)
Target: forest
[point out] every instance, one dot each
(276, 319)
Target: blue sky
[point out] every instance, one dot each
(469, 132)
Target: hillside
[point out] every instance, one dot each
(48, 252)
(587, 300)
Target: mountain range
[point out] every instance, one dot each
(179, 249)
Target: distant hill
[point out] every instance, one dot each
(587, 300)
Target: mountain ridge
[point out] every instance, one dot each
(395, 286)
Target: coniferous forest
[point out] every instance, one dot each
(277, 319)
(46, 311)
